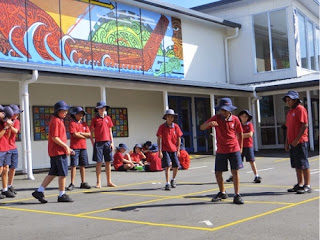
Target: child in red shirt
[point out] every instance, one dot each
(153, 161)
(227, 128)
(121, 160)
(297, 142)
(58, 150)
(5, 126)
(79, 132)
(101, 127)
(137, 156)
(12, 155)
(169, 141)
(184, 158)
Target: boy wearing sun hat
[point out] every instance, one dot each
(101, 127)
(58, 150)
(169, 141)
(228, 131)
(12, 155)
(79, 132)
(297, 141)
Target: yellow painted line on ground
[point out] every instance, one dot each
(262, 214)
(160, 224)
(135, 194)
(282, 160)
(314, 160)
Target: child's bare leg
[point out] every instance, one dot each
(62, 183)
(306, 176)
(82, 174)
(12, 172)
(73, 173)
(167, 173)
(300, 176)
(47, 180)
(108, 173)
(236, 180)
(219, 179)
(4, 176)
(98, 174)
(254, 168)
(174, 172)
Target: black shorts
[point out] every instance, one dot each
(58, 165)
(170, 157)
(299, 156)
(221, 164)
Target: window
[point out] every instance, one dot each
(318, 46)
(271, 41)
(308, 42)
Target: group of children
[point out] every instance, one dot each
(233, 135)
(9, 128)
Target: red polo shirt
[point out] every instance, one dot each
(226, 130)
(248, 127)
(154, 161)
(117, 160)
(184, 159)
(56, 129)
(295, 118)
(4, 141)
(78, 127)
(136, 157)
(12, 138)
(102, 128)
(169, 135)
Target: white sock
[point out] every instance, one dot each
(4, 189)
(308, 185)
(61, 193)
(9, 186)
(300, 185)
(168, 183)
(41, 189)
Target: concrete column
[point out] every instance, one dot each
(165, 101)
(213, 112)
(103, 94)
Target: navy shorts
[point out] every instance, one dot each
(3, 159)
(170, 157)
(100, 150)
(221, 164)
(248, 153)
(79, 158)
(121, 169)
(58, 166)
(12, 158)
(299, 156)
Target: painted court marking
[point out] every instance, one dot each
(198, 167)
(261, 170)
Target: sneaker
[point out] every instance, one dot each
(173, 183)
(167, 187)
(294, 189)
(230, 179)
(8, 194)
(85, 185)
(304, 189)
(12, 189)
(219, 197)
(237, 199)
(65, 198)
(39, 196)
(2, 196)
(257, 179)
(70, 187)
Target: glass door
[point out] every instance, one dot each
(182, 106)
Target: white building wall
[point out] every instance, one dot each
(203, 49)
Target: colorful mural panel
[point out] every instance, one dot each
(119, 118)
(96, 35)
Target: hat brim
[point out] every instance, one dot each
(175, 116)
(249, 116)
(292, 97)
(227, 108)
(106, 106)
(75, 113)
(66, 108)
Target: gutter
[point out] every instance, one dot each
(227, 53)
(27, 150)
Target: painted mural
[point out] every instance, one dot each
(99, 35)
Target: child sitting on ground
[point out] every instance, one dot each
(120, 162)
(137, 156)
(184, 158)
(153, 161)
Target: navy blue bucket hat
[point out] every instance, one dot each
(226, 104)
(293, 95)
(61, 105)
(122, 145)
(77, 110)
(101, 104)
(8, 112)
(137, 146)
(15, 109)
(246, 112)
(169, 112)
(154, 148)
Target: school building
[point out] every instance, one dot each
(143, 57)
